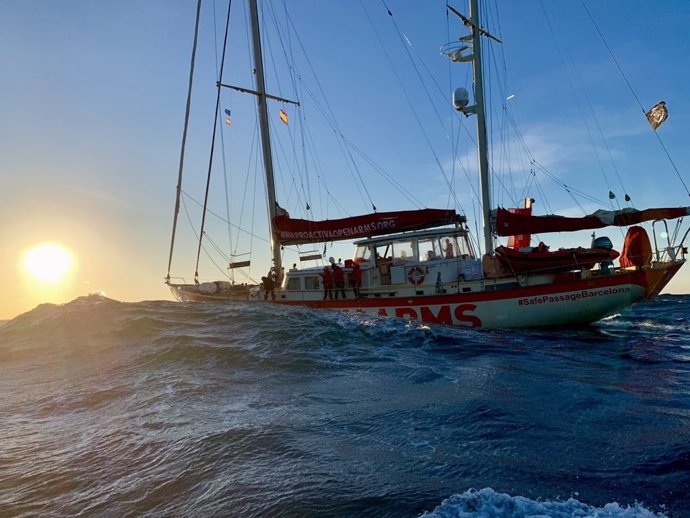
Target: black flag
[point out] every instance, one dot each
(657, 114)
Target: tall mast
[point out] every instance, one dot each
(482, 145)
(265, 136)
(184, 138)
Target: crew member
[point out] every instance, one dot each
(327, 280)
(356, 279)
(449, 249)
(338, 280)
(268, 286)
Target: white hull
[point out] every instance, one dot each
(192, 293)
(556, 304)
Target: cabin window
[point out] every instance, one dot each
(293, 283)
(430, 249)
(403, 251)
(384, 252)
(311, 282)
(362, 254)
(449, 247)
(462, 246)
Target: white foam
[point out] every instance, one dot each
(487, 503)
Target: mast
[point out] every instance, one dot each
(184, 139)
(482, 145)
(265, 136)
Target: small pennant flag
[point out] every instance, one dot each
(283, 116)
(227, 117)
(657, 115)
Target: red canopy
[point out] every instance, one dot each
(298, 231)
(509, 224)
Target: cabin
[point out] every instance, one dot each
(424, 262)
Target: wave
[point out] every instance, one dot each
(487, 503)
(356, 415)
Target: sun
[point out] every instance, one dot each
(48, 262)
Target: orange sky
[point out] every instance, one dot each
(93, 107)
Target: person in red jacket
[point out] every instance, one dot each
(338, 280)
(356, 279)
(327, 280)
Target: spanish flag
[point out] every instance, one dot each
(283, 116)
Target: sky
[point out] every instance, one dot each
(92, 102)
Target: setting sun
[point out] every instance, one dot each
(48, 262)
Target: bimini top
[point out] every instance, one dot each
(419, 234)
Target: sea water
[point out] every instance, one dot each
(176, 409)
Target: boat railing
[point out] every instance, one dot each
(670, 252)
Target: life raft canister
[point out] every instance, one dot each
(416, 275)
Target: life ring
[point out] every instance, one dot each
(416, 275)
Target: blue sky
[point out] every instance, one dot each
(92, 103)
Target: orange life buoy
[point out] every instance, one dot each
(416, 275)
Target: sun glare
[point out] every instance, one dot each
(48, 262)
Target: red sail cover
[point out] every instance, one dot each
(520, 240)
(637, 250)
(298, 231)
(509, 224)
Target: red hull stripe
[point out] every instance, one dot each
(652, 281)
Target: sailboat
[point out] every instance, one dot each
(423, 264)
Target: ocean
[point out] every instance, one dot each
(173, 409)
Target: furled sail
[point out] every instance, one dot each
(509, 223)
(299, 231)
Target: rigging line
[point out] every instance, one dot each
(499, 64)
(288, 54)
(450, 138)
(453, 142)
(213, 143)
(196, 236)
(222, 144)
(221, 218)
(327, 112)
(507, 113)
(189, 219)
(336, 127)
(536, 180)
(551, 175)
(314, 156)
(219, 268)
(341, 140)
(472, 187)
(309, 147)
(406, 46)
(303, 141)
(639, 103)
(672, 163)
(184, 134)
(251, 152)
(524, 148)
(407, 97)
(570, 190)
(270, 55)
(401, 189)
(227, 259)
(576, 94)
